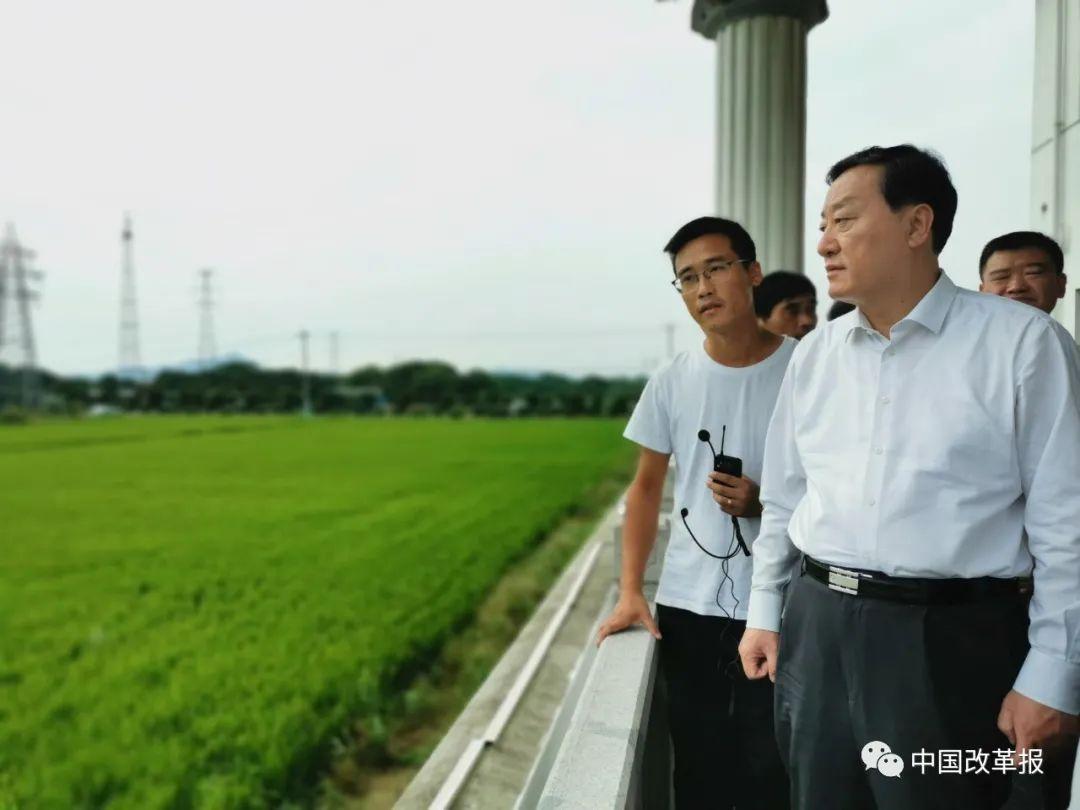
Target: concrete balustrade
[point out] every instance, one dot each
(608, 745)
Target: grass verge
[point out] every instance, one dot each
(370, 770)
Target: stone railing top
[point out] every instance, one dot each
(596, 763)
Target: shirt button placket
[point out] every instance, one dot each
(876, 462)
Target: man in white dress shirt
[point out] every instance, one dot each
(923, 457)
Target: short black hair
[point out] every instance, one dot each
(912, 176)
(778, 286)
(839, 308)
(1018, 240)
(740, 240)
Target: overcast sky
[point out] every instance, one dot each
(481, 181)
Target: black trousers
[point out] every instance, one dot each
(1052, 790)
(854, 670)
(721, 722)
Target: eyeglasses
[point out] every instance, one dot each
(688, 280)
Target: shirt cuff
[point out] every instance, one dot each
(1049, 680)
(763, 612)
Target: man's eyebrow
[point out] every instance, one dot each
(833, 206)
(1010, 267)
(709, 260)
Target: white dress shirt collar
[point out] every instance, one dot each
(930, 312)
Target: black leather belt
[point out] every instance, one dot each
(875, 585)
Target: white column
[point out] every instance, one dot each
(1055, 148)
(761, 134)
(761, 118)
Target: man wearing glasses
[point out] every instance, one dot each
(710, 408)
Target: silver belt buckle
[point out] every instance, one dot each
(843, 580)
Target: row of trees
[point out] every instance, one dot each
(409, 388)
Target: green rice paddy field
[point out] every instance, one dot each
(193, 609)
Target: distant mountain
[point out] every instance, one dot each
(147, 373)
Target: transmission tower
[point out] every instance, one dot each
(130, 360)
(16, 277)
(207, 345)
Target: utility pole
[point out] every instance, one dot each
(207, 344)
(129, 359)
(15, 279)
(334, 352)
(305, 383)
(669, 329)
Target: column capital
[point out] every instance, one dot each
(709, 17)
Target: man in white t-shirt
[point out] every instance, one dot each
(710, 408)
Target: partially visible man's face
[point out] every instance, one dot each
(794, 317)
(728, 294)
(1024, 275)
(863, 241)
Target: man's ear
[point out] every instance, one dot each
(920, 225)
(1063, 285)
(753, 270)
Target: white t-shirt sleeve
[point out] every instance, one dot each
(650, 425)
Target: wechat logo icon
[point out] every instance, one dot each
(878, 756)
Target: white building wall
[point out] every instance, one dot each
(1055, 152)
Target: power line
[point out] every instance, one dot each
(644, 332)
(547, 335)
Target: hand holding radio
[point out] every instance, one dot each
(736, 495)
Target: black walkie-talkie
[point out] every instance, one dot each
(729, 465)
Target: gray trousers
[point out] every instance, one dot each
(854, 670)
